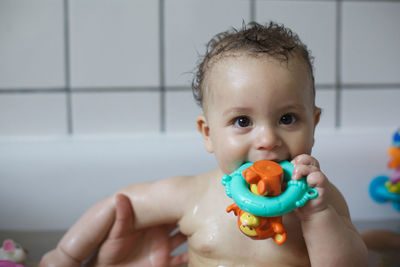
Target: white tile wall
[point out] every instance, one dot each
(370, 108)
(314, 22)
(181, 112)
(116, 112)
(371, 41)
(33, 114)
(117, 44)
(114, 43)
(31, 44)
(189, 25)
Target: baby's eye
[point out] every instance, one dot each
(288, 119)
(242, 122)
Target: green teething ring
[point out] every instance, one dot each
(296, 194)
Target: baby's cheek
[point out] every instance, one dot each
(233, 142)
(227, 163)
(297, 148)
(231, 153)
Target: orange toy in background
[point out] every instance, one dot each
(393, 185)
(266, 179)
(384, 243)
(394, 153)
(384, 188)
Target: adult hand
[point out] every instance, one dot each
(125, 246)
(109, 227)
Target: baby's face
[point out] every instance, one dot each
(258, 108)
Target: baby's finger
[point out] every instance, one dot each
(317, 179)
(303, 170)
(305, 159)
(177, 240)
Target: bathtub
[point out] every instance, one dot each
(47, 184)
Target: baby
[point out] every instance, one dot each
(256, 89)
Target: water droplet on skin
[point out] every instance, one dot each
(195, 209)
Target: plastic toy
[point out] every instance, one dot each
(383, 188)
(11, 251)
(7, 263)
(260, 201)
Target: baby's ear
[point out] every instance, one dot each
(317, 115)
(204, 129)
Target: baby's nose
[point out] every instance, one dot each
(267, 139)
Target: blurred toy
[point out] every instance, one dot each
(383, 188)
(393, 185)
(7, 263)
(13, 252)
(256, 188)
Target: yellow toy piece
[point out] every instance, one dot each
(393, 188)
(254, 190)
(248, 223)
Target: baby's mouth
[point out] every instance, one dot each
(270, 159)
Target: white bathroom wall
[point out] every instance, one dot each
(93, 91)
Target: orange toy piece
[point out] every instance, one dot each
(259, 227)
(266, 179)
(267, 176)
(394, 162)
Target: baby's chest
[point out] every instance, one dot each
(214, 234)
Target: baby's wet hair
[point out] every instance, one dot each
(272, 39)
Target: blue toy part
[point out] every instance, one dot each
(380, 193)
(296, 194)
(396, 138)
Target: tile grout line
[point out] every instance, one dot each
(338, 54)
(118, 89)
(161, 18)
(252, 10)
(67, 69)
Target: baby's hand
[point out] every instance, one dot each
(305, 165)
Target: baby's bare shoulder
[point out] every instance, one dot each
(191, 184)
(177, 186)
(164, 200)
(338, 202)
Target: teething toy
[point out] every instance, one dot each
(13, 252)
(256, 189)
(382, 188)
(7, 263)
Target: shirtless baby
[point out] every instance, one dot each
(256, 89)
